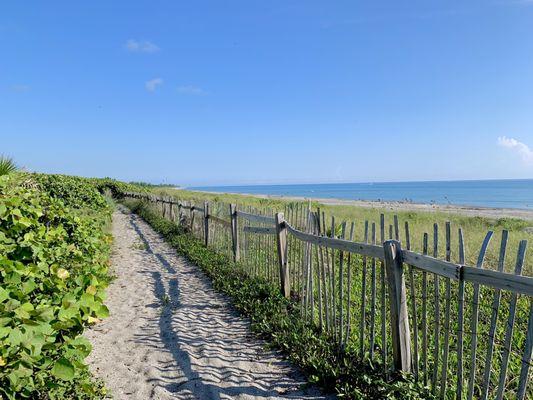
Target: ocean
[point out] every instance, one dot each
(484, 193)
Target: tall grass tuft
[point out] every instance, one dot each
(7, 165)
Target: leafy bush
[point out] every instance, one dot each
(116, 188)
(83, 193)
(278, 320)
(53, 271)
(74, 191)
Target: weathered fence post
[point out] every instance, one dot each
(234, 232)
(206, 222)
(281, 233)
(401, 340)
(191, 212)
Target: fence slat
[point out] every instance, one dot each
(324, 286)
(341, 287)
(383, 297)
(460, 321)
(349, 290)
(436, 302)
(493, 321)
(526, 358)
(425, 313)
(373, 296)
(444, 371)
(510, 323)
(413, 304)
(475, 317)
(332, 282)
(363, 298)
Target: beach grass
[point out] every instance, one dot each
(474, 228)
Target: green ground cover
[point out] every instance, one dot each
(54, 248)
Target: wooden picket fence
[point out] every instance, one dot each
(465, 331)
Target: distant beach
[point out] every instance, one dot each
(495, 199)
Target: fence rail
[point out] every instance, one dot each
(466, 331)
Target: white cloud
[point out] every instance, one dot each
(141, 46)
(192, 90)
(519, 148)
(152, 84)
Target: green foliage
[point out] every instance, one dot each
(153, 185)
(7, 165)
(53, 271)
(278, 320)
(83, 193)
(115, 188)
(75, 192)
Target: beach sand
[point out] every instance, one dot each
(471, 211)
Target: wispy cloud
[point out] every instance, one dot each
(20, 88)
(192, 90)
(152, 84)
(141, 46)
(522, 149)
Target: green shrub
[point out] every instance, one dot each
(7, 165)
(53, 271)
(74, 191)
(116, 188)
(278, 320)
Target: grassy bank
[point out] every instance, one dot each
(278, 320)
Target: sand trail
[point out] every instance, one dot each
(171, 336)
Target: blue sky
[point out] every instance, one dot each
(237, 92)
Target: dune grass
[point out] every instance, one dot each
(474, 228)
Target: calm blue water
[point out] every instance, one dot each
(493, 193)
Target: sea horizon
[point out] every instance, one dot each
(492, 193)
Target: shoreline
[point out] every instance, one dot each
(470, 211)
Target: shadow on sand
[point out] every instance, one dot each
(193, 326)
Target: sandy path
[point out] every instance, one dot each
(171, 336)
